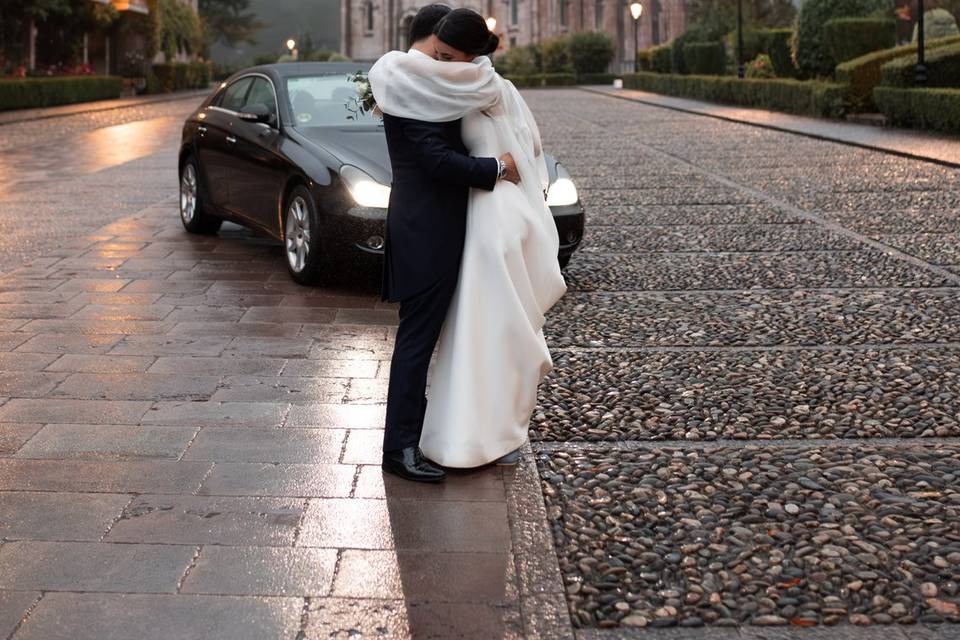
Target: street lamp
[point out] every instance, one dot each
(491, 24)
(636, 10)
(292, 47)
(740, 73)
(921, 54)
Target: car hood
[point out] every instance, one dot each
(362, 147)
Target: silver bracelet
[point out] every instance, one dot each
(502, 169)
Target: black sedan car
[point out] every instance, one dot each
(278, 149)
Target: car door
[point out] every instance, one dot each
(257, 168)
(213, 146)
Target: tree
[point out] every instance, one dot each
(229, 21)
(716, 18)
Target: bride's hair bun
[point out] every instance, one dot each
(466, 30)
(492, 44)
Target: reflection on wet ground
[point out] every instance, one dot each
(64, 177)
(33, 167)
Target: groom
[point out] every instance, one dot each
(426, 226)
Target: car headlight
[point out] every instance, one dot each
(562, 193)
(364, 189)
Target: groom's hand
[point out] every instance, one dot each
(511, 174)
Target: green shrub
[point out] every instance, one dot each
(555, 56)
(775, 43)
(661, 59)
(863, 74)
(336, 56)
(943, 68)
(849, 38)
(810, 53)
(543, 80)
(264, 58)
(597, 78)
(518, 61)
(590, 52)
(936, 109)
(705, 58)
(812, 98)
(760, 67)
(27, 93)
(558, 79)
(178, 76)
(645, 60)
(937, 23)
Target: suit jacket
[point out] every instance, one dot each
(427, 216)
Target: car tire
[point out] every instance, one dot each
(193, 215)
(564, 261)
(301, 237)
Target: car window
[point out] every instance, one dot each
(327, 100)
(235, 93)
(262, 93)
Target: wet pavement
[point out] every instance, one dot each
(752, 422)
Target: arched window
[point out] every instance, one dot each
(655, 10)
(369, 16)
(598, 14)
(563, 12)
(514, 11)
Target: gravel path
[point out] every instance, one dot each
(754, 411)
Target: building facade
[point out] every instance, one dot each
(369, 28)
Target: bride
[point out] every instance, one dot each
(492, 354)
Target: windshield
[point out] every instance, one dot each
(325, 101)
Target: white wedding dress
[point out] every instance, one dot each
(492, 354)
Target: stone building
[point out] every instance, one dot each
(369, 28)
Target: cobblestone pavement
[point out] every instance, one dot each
(753, 417)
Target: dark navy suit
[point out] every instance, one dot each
(426, 226)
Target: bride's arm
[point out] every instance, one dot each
(441, 161)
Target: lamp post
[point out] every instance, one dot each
(491, 24)
(292, 48)
(921, 54)
(636, 10)
(740, 73)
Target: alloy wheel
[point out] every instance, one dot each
(297, 234)
(188, 193)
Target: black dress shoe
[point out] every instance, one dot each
(409, 463)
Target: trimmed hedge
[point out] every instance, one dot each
(177, 76)
(809, 49)
(27, 93)
(863, 73)
(776, 44)
(661, 58)
(937, 109)
(849, 38)
(543, 80)
(597, 78)
(791, 96)
(590, 52)
(943, 69)
(705, 58)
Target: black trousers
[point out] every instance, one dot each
(421, 319)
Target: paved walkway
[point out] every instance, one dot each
(917, 144)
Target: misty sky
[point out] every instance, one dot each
(286, 19)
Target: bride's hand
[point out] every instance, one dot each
(511, 175)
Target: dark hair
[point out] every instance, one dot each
(425, 21)
(466, 30)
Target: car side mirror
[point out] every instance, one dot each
(256, 113)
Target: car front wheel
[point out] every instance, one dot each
(194, 217)
(301, 237)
